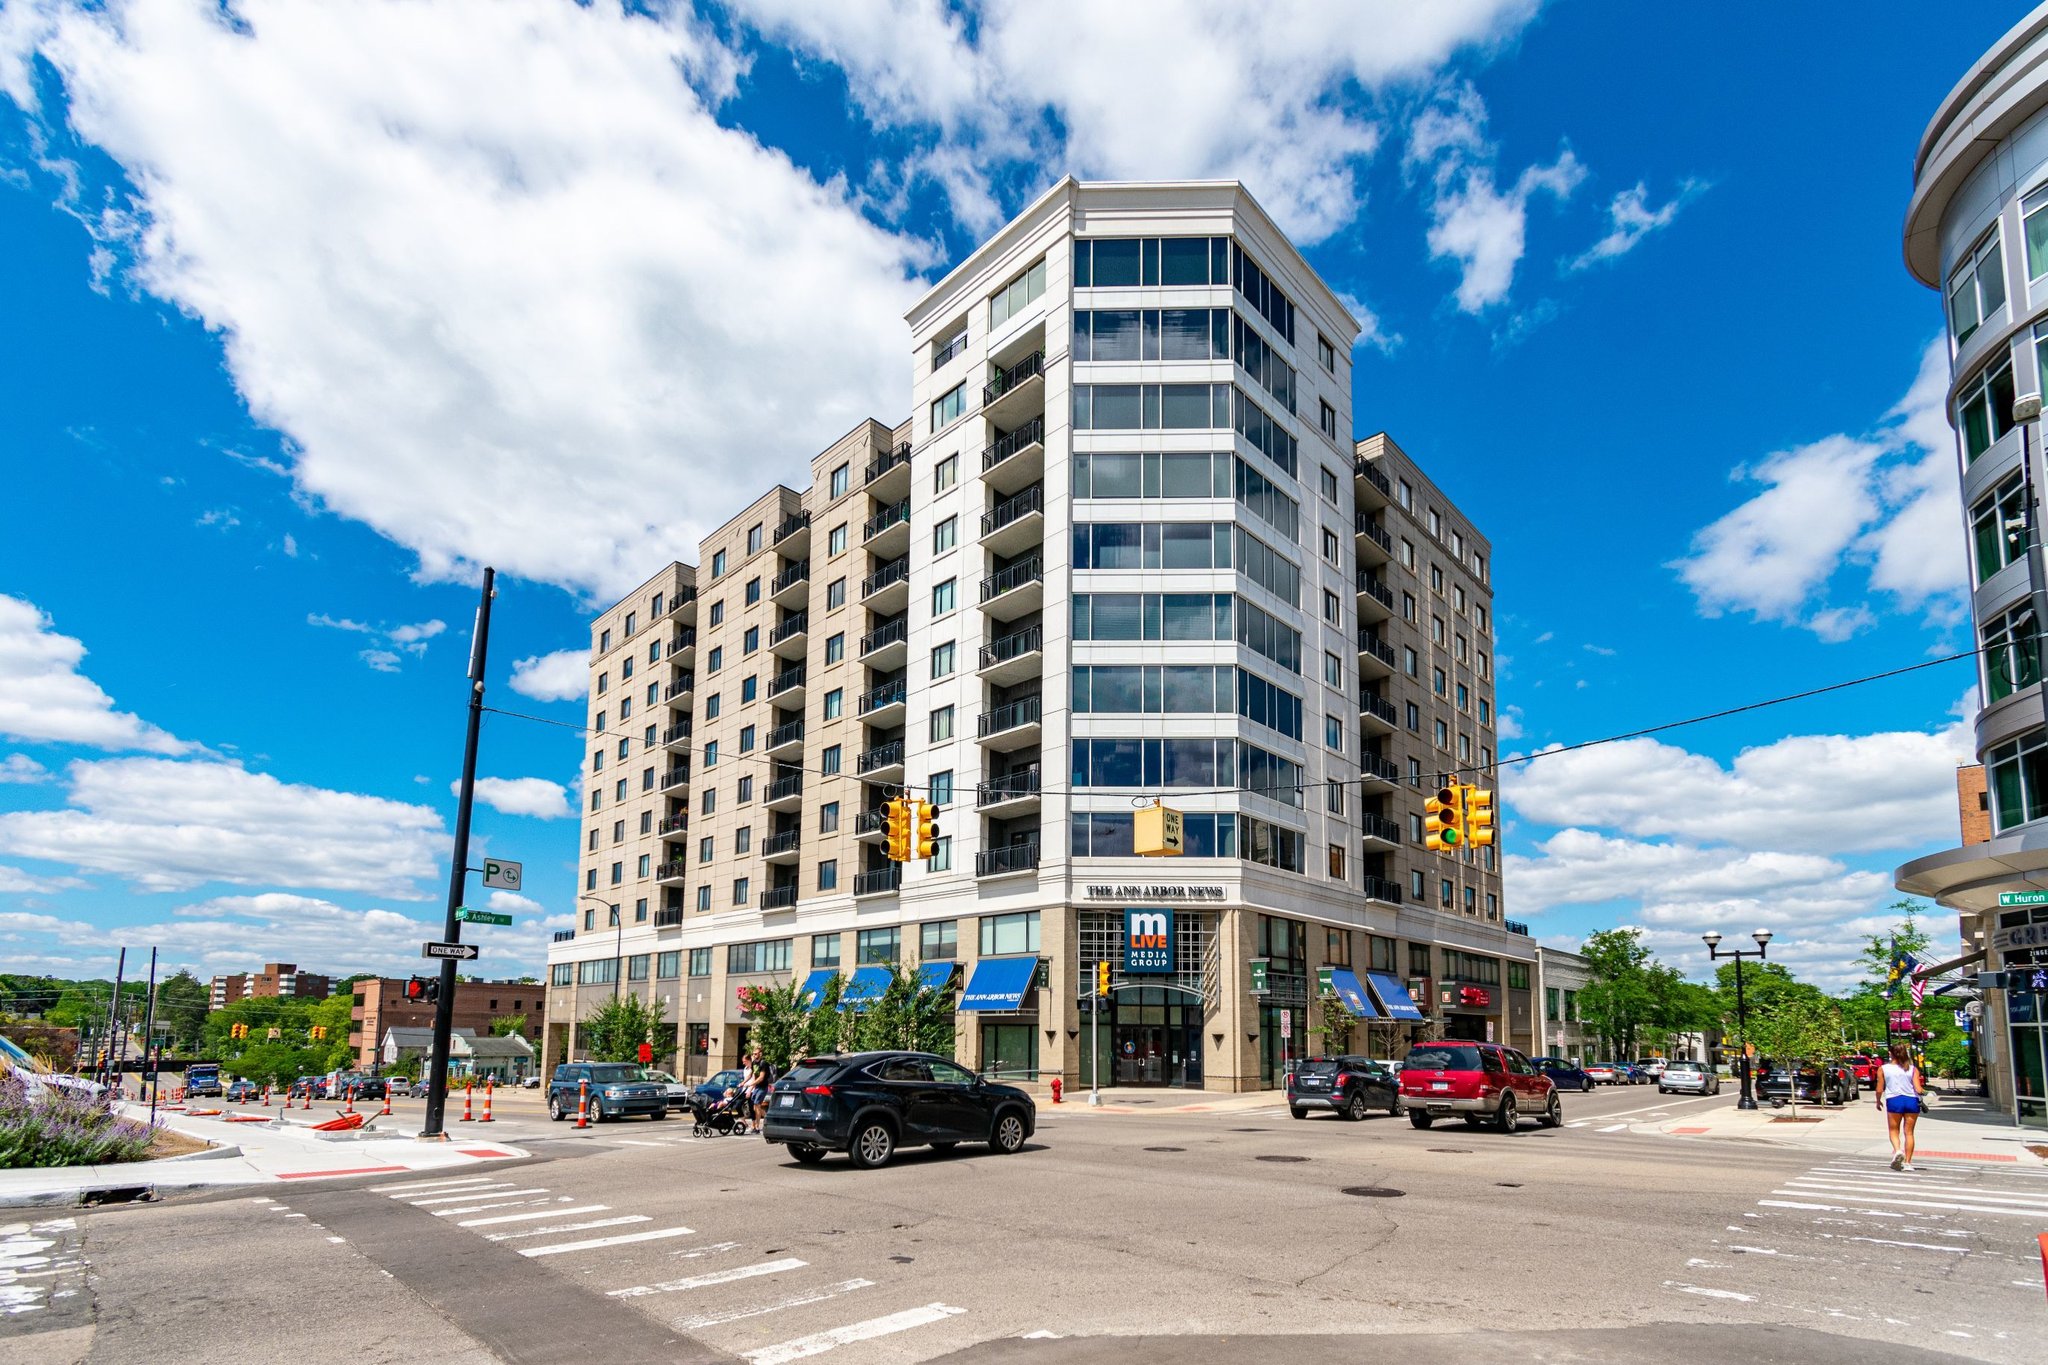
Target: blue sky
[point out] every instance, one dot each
(313, 313)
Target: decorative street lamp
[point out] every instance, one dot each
(1763, 945)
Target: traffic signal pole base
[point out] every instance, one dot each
(430, 1137)
(1094, 1099)
(1745, 1103)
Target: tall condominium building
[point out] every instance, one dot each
(1125, 548)
(1977, 230)
(276, 979)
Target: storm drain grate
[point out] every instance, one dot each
(1373, 1192)
(1508, 1184)
(1453, 1151)
(1280, 1158)
(1166, 1149)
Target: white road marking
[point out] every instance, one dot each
(472, 1194)
(1664, 1105)
(1917, 1246)
(742, 1272)
(337, 1239)
(1842, 1189)
(431, 1184)
(812, 1296)
(820, 1342)
(1611, 1128)
(569, 1227)
(1579, 1123)
(1902, 1203)
(479, 1208)
(527, 1217)
(1709, 1293)
(629, 1142)
(593, 1243)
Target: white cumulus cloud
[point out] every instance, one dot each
(45, 699)
(1630, 219)
(561, 676)
(535, 796)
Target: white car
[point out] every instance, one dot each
(1689, 1076)
(677, 1092)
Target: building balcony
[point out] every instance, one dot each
(679, 733)
(678, 776)
(673, 824)
(685, 597)
(1016, 458)
(1375, 656)
(784, 792)
(1515, 926)
(1012, 657)
(1376, 768)
(1016, 391)
(1376, 713)
(887, 532)
(787, 639)
(681, 643)
(791, 527)
(1380, 829)
(789, 683)
(891, 465)
(563, 935)
(1015, 523)
(778, 897)
(1375, 478)
(1374, 543)
(1012, 789)
(881, 705)
(783, 847)
(669, 918)
(678, 692)
(887, 588)
(886, 645)
(792, 585)
(1016, 725)
(1005, 862)
(883, 881)
(671, 871)
(882, 761)
(1015, 591)
(872, 823)
(785, 737)
(1380, 889)
(1375, 598)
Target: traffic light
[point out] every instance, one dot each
(927, 828)
(1478, 816)
(1443, 821)
(899, 832)
(422, 990)
(1102, 978)
(238, 1031)
(318, 1032)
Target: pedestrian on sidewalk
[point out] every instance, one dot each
(1900, 1086)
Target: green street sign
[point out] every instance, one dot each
(465, 915)
(2023, 898)
(1324, 980)
(1258, 965)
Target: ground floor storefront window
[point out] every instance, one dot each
(1146, 1036)
(1009, 1048)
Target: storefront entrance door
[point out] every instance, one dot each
(1152, 1037)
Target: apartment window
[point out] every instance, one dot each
(1414, 717)
(668, 966)
(835, 648)
(835, 594)
(2017, 774)
(835, 703)
(753, 592)
(1464, 746)
(749, 688)
(1976, 287)
(1008, 935)
(754, 538)
(653, 693)
(618, 874)
(828, 762)
(1336, 863)
(1485, 709)
(646, 739)
(592, 845)
(1437, 629)
(1984, 408)
(715, 660)
(1332, 611)
(604, 641)
(711, 707)
(596, 799)
(943, 660)
(1408, 607)
(746, 790)
(1485, 665)
(835, 541)
(1333, 734)
(1437, 681)
(597, 760)
(1998, 526)
(647, 822)
(828, 875)
(604, 682)
(1457, 599)
(942, 723)
(645, 869)
(646, 781)
(1333, 669)
(1326, 418)
(700, 959)
(877, 945)
(740, 888)
(1447, 895)
(1012, 298)
(946, 473)
(1415, 831)
(938, 941)
(942, 855)
(945, 535)
(1408, 555)
(1436, 579)
(1417, 887)
(711, 754)
(746, 740)
(948, 406)
(625, 747)
(1443, 735)
(1464, 697)
(710, 802)
(1332, 549)
(703, 903)
(718, 613)
(771, 955)
(717, 567)
(636, 967)
(942, 788)
(841, 480)
(824, 950)
(707, 849)
(1411, 662)
(942, 597)
(1436, 523)
(1326, 354)
(2011, 661)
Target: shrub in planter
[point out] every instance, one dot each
(53, 1128)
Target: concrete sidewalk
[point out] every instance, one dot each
(1953, 1127)
(253, 1154)
(1151, 1101)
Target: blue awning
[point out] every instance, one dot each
(935, 976)
(1393, 995)
(1344, 982)
(999, 983)
(866, 986)
(814, 985)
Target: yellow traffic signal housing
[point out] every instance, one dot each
(1443, 820)
(927, 831)
(898, 827)
(1102, 978)
(1478, 817)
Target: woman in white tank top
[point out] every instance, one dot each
(1900, 1086)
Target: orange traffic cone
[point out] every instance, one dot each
(350, 1106)
(466, 1100)
(489, 1086)
(266, 1097)
(583, 1104)
(387, 1102)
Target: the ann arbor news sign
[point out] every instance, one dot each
(1153, 891)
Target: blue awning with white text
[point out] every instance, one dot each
(1393, 995)
(999, 983)
(814, 985)
(1344, 982)
(866, 986)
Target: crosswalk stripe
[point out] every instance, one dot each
(820, 1342)
(1839, 1189)
(493, 1189)
(743, 1272)
(432, 1184)
(1900, 1203)
(569, 1227)
(1611, 1128)
(528, 1217)
(480, 1208)
(479, 1194)
(557, 1248)
(759, 1310)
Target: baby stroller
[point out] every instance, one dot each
(725, 1116)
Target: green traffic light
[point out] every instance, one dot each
(1449, 836)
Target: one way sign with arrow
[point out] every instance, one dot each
(461, 952)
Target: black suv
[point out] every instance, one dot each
(616, 1091)
(1817, 1082)
(365, 1087)
(867, 1104)
(1349, 1085)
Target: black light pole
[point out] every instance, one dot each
(1763, 946)
(458, 871)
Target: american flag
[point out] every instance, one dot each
(1918, 985)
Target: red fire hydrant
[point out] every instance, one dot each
(1056, 1090)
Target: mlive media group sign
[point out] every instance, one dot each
(1148, 942)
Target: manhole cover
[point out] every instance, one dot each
(1508, 1184)
(1453, 1151)
(1280, 1158)
(1166, 1149)
(1247, 1130)
(1373, 1192)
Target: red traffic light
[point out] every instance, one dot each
(422, 990)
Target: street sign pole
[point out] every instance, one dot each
(458, 870)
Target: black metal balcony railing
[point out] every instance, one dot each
(778, 898)
(669, 917)
(1370, 584)
(949, 350)
(783, 734)
(895, 571)
(884, 519)
(1015, 645)
(1380, 889)
(1370, 526)
(789, 577)
(680, 730)
(895, 632)
(887, 461)
(994, 862)
(681, 687)
(675, 867)
(564, 935)
(673, 824)
(1023, 711)
(1515, 926)
(1370, 471)
(1012, 509)
(686, 638)
(785, 842)
(888, 694)
(1376, 765)
(790, 525)
(1010, 442)
(791, 627)
(888, 755)
(1380, 827)
(783, 787)
(683, 598)
(1004, 380)
(882, 879)
(1371, 643)
(1008, 787)
(788, 678)
(675, 777)
(1372, 703)
(871, 821)
(995, 585)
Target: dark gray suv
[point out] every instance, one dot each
(616, 1091)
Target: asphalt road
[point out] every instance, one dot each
(1142, 1236)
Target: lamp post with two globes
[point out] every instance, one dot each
(1763, 944)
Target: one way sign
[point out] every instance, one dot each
(461, 952)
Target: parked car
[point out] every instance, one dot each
(402, 1088)
(362, 1087)
(530, 1082)
(676, 1092)
(1652, 1067)
(1479, 1082)
(1811, 1082)
(1865, 1068)
(1628, 1073)
(1602, 1073)
(242, 1092)
(714, 1089)
(868, 1104)
(616, 1091)
(313, 1086)
(1349, 1086)
(1566, 1074)
(1689, 1076)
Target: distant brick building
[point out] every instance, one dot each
(1973, 803)
(380, 1006)
(276, 979)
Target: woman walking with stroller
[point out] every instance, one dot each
(1900, 1087)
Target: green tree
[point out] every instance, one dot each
(908, 1015)
(782, 1023)
(1332, 1022)
(1797, 1028)
(509, 1026)
(182, 1001)
(614, 1030)
(1619, 1001)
